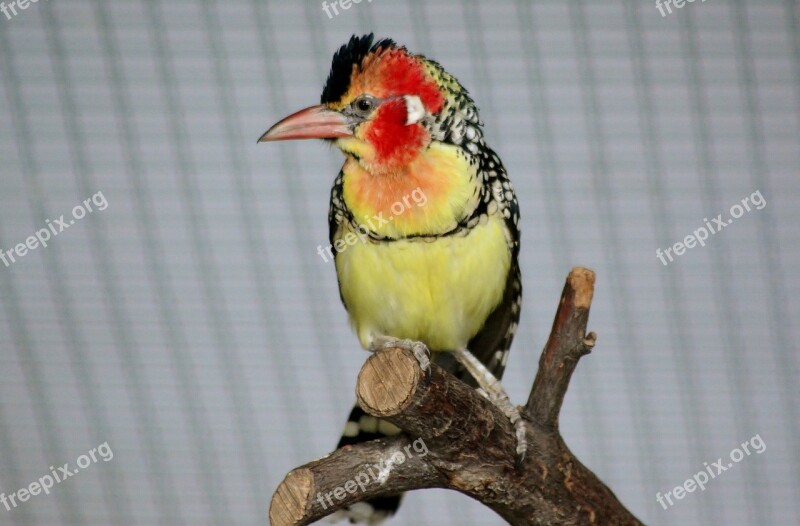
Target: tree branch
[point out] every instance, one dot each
(455, 438)
(565, 346)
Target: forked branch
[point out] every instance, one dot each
(469, 446)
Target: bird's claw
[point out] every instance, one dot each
(520, 463)
(522, 444)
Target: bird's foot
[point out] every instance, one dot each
(420, 351)
(501, 400)
(520, 429)
(493, 390)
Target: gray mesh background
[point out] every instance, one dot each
(193, 327)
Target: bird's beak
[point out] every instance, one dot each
(316, 122)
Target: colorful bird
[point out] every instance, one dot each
(424, 223)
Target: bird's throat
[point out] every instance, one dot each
(428, 196)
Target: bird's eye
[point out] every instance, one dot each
(364, 104)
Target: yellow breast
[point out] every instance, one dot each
(439, 292)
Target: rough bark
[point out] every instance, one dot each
(454, 438)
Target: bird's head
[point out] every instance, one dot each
(379, 106)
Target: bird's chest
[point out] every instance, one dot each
(439, 291)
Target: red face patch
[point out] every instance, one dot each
(394, 141)
(395, 73)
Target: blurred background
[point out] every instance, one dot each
(191, 325)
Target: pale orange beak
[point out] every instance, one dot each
(316, 122)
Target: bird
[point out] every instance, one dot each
(424, 224)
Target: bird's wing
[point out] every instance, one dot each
(493, 342)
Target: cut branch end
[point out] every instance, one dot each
(469, 445)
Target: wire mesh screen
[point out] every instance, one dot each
(172, 328)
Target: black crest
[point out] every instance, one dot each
(343, 60)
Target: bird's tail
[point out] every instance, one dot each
(362, 427)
